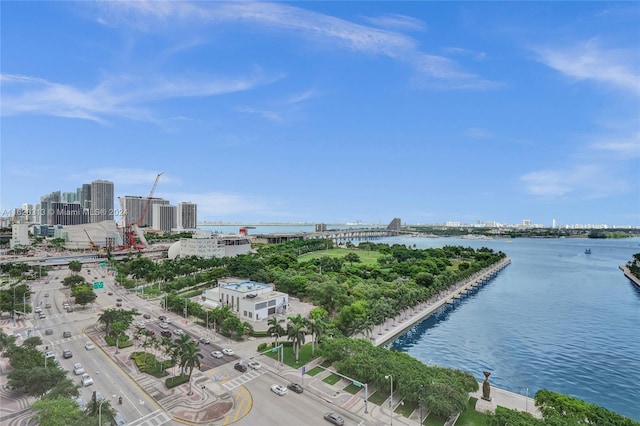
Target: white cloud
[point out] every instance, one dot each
(269, 115)
(626, 147)
(118, 95)
(397, 21)
(582, 181)
(590, 61)
(318, 27)
(478, 133)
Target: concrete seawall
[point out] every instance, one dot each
(423, 310)
(628, 274)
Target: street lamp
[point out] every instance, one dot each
(421, 402)
(390, 377)
(100, 410)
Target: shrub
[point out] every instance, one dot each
(172, 382)
(262, 347)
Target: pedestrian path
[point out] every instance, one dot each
(157, 418)
(242, 379)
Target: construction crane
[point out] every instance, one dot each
(92, 245)
(132, 230)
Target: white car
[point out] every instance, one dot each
(255, 365)
(141, 325)
(279, 389)
(86, 380)
(227, 351)
(216, 354)
(78, 369)
(89, 346)
(167, 321)
(49, 354)
(204, 341)
(178, 332)
(164, 325)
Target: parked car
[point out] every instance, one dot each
(227, 351)
(334, 418)
(86, 380)
(216, 354)
(255, 365)
(165, 333)
(295, 387)
(78, 369)
(240, 367)
(67, 354)
(89, 346)
(204, 341)
(279, 389)
(66, 333)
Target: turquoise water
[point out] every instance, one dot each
(556, 318)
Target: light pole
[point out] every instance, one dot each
(421, 402)
(100, 410)
(13, 306)
(390, 377)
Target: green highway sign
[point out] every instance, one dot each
(98, 284)
(103, 264)
(358, 384)
(274, 350)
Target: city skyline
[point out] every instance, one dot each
(329, 112)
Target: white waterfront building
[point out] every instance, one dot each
(208, 246)
(249, 300)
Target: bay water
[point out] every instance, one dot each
(556, 318)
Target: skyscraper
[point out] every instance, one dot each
(164, 217)
(134, 205)
(101, 201)
(187, 215)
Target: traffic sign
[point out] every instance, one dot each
(103, 264)
(356, 383)
(304, 369)
(98, 284)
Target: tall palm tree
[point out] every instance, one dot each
(315, 327)
(296, 332)
(275, 329)
(181, 344)
(190, 359)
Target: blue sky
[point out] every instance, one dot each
(329, 111)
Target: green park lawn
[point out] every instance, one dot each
(470, 417)
(314, 371)
(379, 397)
(407, 408)
(332, 379)
(289, 357)
(352, 389)
(366, 257)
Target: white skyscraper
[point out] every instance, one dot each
(164, 217)
(187, 215)
(101, 201)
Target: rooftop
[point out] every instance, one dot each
(245, 286)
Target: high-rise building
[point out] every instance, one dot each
(69, 197)
(101, 201)
(68, 214)
(134, 205)
(85, 199)
(187, 215)
(164, 217)
(45, 213)
(29, 213)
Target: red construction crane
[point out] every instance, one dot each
(146, 205)
(131, 230)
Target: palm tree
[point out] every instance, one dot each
(275, 329)
(315, 327)
(296, 333)
(181, 344)
(189, 359)
(117, 329)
